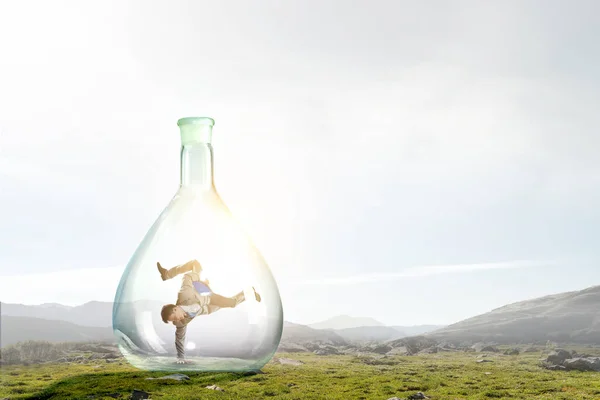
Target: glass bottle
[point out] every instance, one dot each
(233, 321)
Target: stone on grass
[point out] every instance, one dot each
(139, 395)
(556, 368)
(417, 396)
(380, 349)
(215, 387)
(582, 364)
(512, 352)
(291, 348)
(287, 361)
(558, 356)
(176, 377)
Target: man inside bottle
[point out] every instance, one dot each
(194, 298)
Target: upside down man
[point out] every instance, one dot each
(193, 299)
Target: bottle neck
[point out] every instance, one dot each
(196, 153)
(197, 166)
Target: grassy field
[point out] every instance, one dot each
(439, 376)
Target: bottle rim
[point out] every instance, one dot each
(196, 121)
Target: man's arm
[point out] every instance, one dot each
(180, 341)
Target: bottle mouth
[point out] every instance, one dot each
(206, 121)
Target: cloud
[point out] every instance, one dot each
(421, 271)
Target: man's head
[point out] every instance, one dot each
(172, 313)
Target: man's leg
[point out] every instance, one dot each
(222, 301)
(165, 274)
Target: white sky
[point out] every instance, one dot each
(414, 162)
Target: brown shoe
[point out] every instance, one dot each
(163, 271)
(256, 295)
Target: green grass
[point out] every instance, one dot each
(440, 376)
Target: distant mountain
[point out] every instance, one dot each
(572, 317)
(301, 334)
(418, 329)
(369, 334)
(18, 329)
(93, 313)
(340, 329)
(345, 322)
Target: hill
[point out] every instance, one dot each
(302, 334)
(93, 313)
(343, 328)
(369, 334)
(18, 329)
(417, 329)
(345, 322)
(572, 317)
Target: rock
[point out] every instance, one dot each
(478, 346)
(395, 398)
(414, 344)
(555, 368)
(482, 360)
(582, 364)
(429, 350)
(399, 351)
(558, 356)
(291, 348)
(381, 349)
(96, 348)
(447, 345)
(482, 347)
(139, 395)
(287, 361)
(531, 349)
(512, 352)
(215, 387)
(310, 346)
(417, 396)
(490, 349)
(104, 356)
(176, 377)
(326, 351)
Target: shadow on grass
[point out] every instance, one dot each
(121, 384)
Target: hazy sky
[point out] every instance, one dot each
(417, 162)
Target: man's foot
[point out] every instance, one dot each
(163, 271)
(256, 295)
